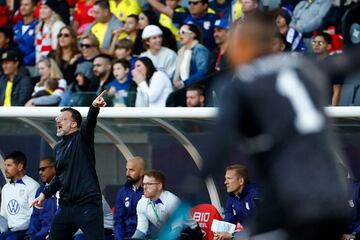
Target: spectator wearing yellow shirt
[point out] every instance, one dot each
(123, 8)
(166, 21)
(130, 28)
(105, 24)
(236, 9)
(15, 84)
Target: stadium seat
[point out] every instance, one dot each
(350, 94)
(204, 214)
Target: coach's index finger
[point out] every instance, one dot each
(102, 94)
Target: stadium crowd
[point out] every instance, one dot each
(145, 54)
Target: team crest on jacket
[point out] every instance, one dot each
(21, 192)
(234, 211)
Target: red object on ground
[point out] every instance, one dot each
(204, 214)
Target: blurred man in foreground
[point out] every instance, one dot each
(275, 104)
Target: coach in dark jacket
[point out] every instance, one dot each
(15, 79)
(80, 204)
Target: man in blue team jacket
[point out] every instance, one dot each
(242, 198)
(24, 32)
(41, 219)
(125, 218)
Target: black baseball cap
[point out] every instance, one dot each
(11, 55)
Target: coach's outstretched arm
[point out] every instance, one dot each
(87, 129)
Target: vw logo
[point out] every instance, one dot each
(13, 207)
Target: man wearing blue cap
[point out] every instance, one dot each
(218, 61)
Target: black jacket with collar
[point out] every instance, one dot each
(76, 176)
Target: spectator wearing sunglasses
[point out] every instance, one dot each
(66, 53)
(321, 46)
(192, 59)
(41, 219)
(89, 47)
(197, 14)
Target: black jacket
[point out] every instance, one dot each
(22, 88)
(75, 166)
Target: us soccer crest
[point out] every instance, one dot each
(21, 192)
(127, 202)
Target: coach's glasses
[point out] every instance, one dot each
(60, 119)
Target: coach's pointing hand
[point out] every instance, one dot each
(99, 100)
(38, 202)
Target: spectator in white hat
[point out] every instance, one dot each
(163, 58)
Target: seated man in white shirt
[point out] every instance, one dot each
(156, 206)
(17, 196)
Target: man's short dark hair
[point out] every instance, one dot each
(50, 159)
(136, 17)
(103, 4)
(327, 38)
(240, 170)
(107, 57)
(124, 62)
(198, 88)
(158, 175)
(18, 157)
(75, 114)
